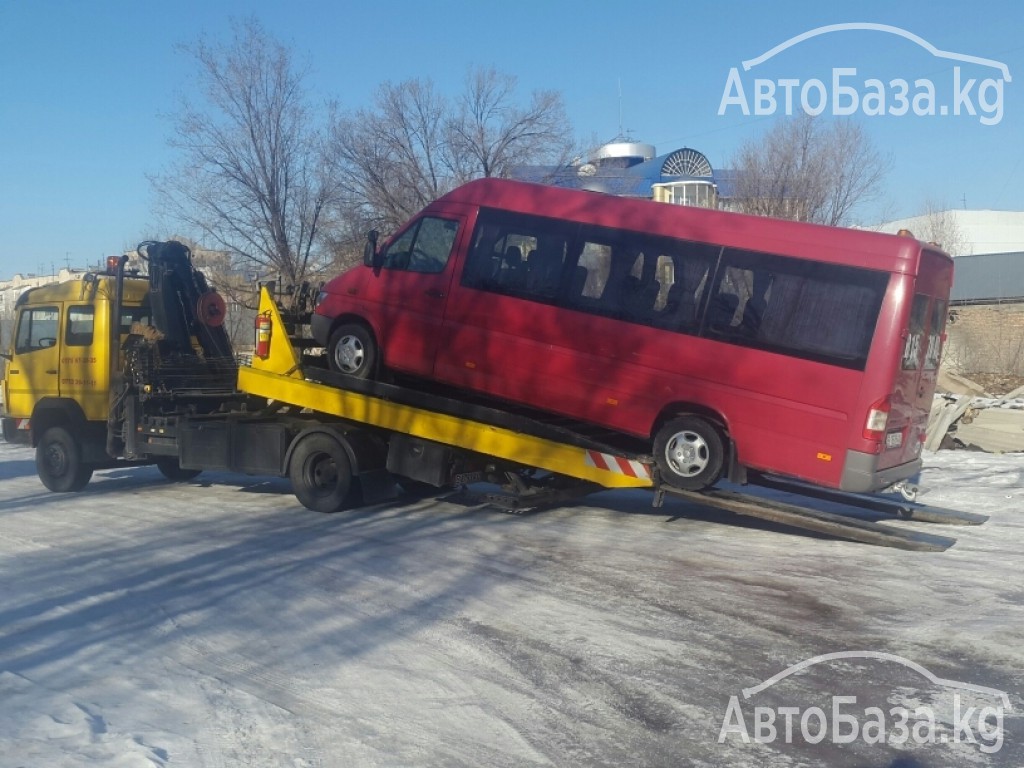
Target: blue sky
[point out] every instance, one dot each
(85, 87)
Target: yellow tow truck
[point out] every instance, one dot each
(116, 368)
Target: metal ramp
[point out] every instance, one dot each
(522, 496)
(829, 523)
(898, 508)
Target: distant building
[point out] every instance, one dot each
(633, 169)
(11, 289)
(216, 265)
(981, 231)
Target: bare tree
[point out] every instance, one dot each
(415, 144)
(806, 170)
(393, 158)
(251, 179)
(940, 227)
(491, 134)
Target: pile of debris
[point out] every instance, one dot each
(965, 416)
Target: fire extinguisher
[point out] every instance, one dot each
(263, 336)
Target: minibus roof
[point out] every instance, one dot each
(838, 245)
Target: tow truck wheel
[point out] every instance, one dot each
(171, 469)
(353, 351)
(59, 462)
(690, 453)
(321, 473)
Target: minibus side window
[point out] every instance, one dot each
(518, 254)
(590, 275)
(640, 279)
(808, 309)
(425, 247)
(596, 280)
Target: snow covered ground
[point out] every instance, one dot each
(218, 623)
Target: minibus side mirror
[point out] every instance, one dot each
(370, 249)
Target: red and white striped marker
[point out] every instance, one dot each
(618, 464)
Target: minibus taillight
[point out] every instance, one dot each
(878, 417)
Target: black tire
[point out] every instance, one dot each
(690, 453)
(171, 469)
(321, 473)
(59, 462)
(352, 350)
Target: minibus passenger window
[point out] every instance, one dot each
(592, 272)
(798, 307)
(518, 254)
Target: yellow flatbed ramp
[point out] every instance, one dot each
(279, 377)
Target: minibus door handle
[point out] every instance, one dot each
(434, 293)
(52, 370)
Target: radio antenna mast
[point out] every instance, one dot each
(620, 106)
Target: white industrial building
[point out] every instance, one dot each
(979, 232)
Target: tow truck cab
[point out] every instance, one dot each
(96, 362)
(59, 363)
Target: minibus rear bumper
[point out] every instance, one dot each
(861, 473)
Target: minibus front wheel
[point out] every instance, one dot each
(353, 350)
(690, 453)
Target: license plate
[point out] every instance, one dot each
(467, 478)
(894, 439)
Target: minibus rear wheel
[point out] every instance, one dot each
(352, 350)
(690, 453)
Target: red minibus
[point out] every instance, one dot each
(714, 340)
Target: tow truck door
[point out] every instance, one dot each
(34, 371)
